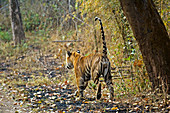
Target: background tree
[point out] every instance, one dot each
(152, 38)
(16, 22)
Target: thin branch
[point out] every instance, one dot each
(4, 7)
(73, 15)
(67, 41)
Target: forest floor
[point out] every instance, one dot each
(7, 104)
(35, 80)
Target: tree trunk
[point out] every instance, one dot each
(152, 38)
(16, 22)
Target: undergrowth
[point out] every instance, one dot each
(28, 55)
(37, 61)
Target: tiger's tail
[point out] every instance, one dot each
(103, 37)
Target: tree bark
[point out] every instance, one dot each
(16, 22)
(152, 38)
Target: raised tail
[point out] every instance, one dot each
(103, 37)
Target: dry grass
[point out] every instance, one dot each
(39, 57)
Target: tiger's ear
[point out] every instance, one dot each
(78, 51)
(69, 53)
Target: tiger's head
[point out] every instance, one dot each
(70, 58)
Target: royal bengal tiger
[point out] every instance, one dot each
(91, 67)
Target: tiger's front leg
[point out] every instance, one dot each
(81, 86)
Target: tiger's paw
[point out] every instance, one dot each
(76, 93)
(80, 98)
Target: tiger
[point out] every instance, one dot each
(91, 67)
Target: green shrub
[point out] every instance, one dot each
(31, 21)
(5, 36)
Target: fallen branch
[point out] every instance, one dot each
(67, 41)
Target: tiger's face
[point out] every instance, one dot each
(70, 58)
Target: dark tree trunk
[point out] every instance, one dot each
(152, 38)
(16, 22)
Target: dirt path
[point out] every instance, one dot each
(46, 86)
(7, 105)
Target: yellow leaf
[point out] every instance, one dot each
(62, 65)
(105, 94)
(55, 56)
(57, 68)
(40, 73)
(39, 102)
(114, 108)
(86, 102)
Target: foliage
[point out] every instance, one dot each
(34, 75)
(31, 22)
(5, 36)
(163, 9)
(38, 58)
